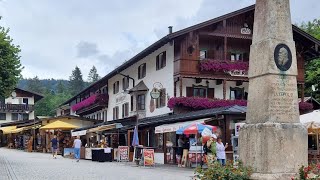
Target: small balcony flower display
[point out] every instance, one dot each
(85, 103)
(197, 103)
(305, 106)
(223, 66)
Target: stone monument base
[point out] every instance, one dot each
(273, 150)
(257, 176)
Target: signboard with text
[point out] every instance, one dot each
(123, 153)
(148, 155)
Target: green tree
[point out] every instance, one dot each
(60, 87)
(35, 85)
(93, 75)
(10, 67)
(312, 68)
(76, 83)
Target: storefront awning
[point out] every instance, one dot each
(8, 129)
(175, 126)
(14, 131)
(59, 125)
(79, 133)
(106, 127)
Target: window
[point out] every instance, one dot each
(142, 71)
(312, 142)
(125, 110)
(203, 54)
(3, 116)
(25, 101)
(236, 93)
(200, 92)
(131, 103)
(161, 101)
(158, 142)
(115, 113)
(125, 83)
(116, 87)
(19, 116)
(236, 56)
(161, 60)
(141, 103)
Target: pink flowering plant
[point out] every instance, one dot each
(85, 103)
(310, 172)
(215, 65)
(198, 103)
(305, 106)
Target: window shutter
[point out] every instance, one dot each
(210, 93)
(144, 69)
(139, 72)
(189, 91)
(164, 59)
(163, 98)
(131, 103)
(122, 110)
(114, 88)
(157, 62)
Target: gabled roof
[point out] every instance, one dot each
(141, 86)
(172, 36)
(37, 96)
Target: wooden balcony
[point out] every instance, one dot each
(100, 102)
(21, 108)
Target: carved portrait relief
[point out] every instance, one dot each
(283, 57)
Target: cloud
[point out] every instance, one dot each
(86, 49)
(106, 33)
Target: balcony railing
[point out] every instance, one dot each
(92, 104)
(16, 107)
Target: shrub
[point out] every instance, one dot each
(310, 172)
(228, 172)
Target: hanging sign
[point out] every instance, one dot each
(148, 155)
(123, 154)
(245, 31)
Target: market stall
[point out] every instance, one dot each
(62, 130)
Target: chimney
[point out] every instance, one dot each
(170, 29)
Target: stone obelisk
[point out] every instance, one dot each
(272, 141)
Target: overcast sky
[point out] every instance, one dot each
(55, 36)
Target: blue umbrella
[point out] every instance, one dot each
(135, 140)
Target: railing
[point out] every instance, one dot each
(16, 107)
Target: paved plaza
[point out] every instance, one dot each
(20, 165)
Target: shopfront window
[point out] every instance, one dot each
(170, 142)
(236, 93)
(312, 142)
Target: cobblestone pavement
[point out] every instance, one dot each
(19, 165)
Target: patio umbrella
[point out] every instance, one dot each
(194, 128)
(135, 140)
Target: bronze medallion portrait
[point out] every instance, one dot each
(283, 57)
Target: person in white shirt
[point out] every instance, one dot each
(221, 153)
(77, 145)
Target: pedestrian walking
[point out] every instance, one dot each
(181, 144)
(211, 149)
(54, 146)
(77, 145)
(221, 152)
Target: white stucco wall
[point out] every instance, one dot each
(9, 116)
(164, 76)
(19, 100)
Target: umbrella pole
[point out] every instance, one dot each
(196, 152)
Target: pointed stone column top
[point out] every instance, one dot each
(272, 20)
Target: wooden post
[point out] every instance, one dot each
(302, 92)
(224, 89)
(225, 39)
(180, 86)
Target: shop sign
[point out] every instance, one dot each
(245, 31)
(240, 73)
(121, 98)
(79, 133)
(237, 128)
(148, 155)
(123, 153)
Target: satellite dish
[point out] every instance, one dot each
(313, 88)
(14, 94)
